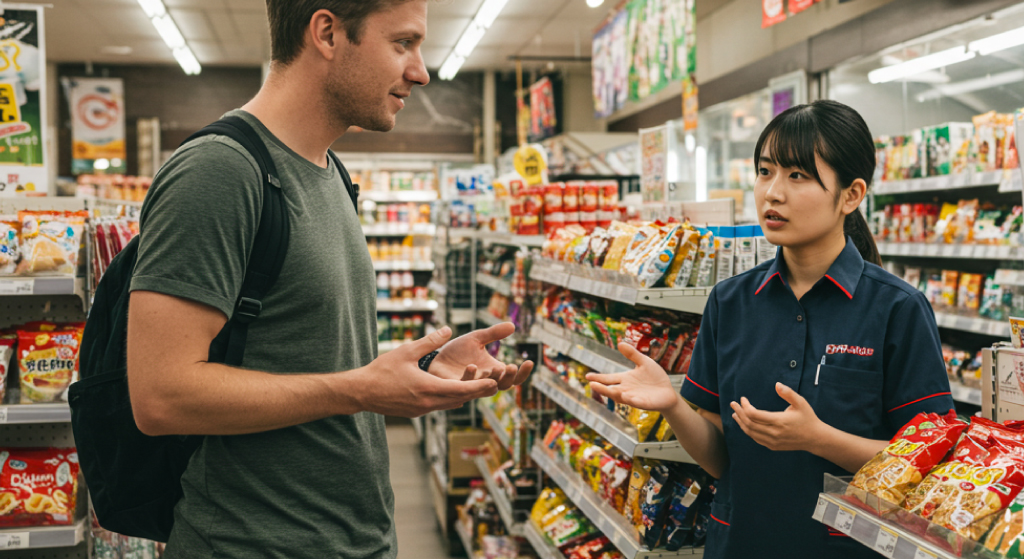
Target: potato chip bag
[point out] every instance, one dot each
(911, 454)
(38, 486)
(686, 254)
(615, 481)
(984, 490)
(638, 477)
(654, 266)
(549, 498)
(50, 242)
(47, 363)
(643, 245)
(655, 506)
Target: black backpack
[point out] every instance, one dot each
(134, 479)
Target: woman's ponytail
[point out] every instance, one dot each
(856, 227)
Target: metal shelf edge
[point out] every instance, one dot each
(500, 500)
(492, 420)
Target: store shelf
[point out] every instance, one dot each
(399, 195)
(489, 319)
(691, 300)
(42, 537)
(417, 427)
(501, 501)
(406, 305)
(604, 517)
(965, 394)
(1007, 181)
(887, 538)
(988, 327)
(460, 316)
(399, 230)
(438, 288)
(541, 545)
(497, 284)
(619, 433)
(934, 250)
(580, 348)
(42, 286)
(35, 413)
(492, 420)
(403, 265)
(464, 537)
(508, 238)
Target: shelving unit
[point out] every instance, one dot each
(935, 250)
(496, 426)
(619, 433)
(604, 517)
(541, 545)
(43, 536)
(691, 300)
(507, 238)
(501, 501)
(496, 284)
(965, 394)
(579, 348)
(406, 305)
(1007, 181)
(399, 230)
(465, 538)
(399, 195)
(978, 325)
(35, 413)
(488, 319)
(403, 265)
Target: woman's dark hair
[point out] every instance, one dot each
(840, 137)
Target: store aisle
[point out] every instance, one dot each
(419, 536)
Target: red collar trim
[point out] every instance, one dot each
(768, 280)
(839, 286)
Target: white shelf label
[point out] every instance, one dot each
(885, 543)
(931, 250)
(923, 554)
(947, 250)
(844, 520)
(905, 249)
(17, 286)
(3, 414)
(14, 540)
(819, 511)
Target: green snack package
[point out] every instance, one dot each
(1007, 535)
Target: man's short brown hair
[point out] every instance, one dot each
(290, 18)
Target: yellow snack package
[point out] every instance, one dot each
(622, 234)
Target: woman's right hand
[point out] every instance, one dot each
(646, 387)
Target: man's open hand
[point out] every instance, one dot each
(466, 358)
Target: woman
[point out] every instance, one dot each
(808, 363)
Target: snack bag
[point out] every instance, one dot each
(657, 262)
(549, 498)
(985, 489)
(911, 454)
(622, 234)
(590, 549)
(645, 421)
(50, 242)
(600, 242)
(10, 243)
(568, 529)
(615, 481)
(655, 507)
(681, 513)
(950, 287)
(1007, 534)
(38, 486)
(6, 352)
(47, 363)
(645, 242)
(707, 245)
(638, 477)
(682, 263)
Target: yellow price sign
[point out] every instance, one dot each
(9, 111)
(530, 164)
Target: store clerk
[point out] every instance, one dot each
(805, 365)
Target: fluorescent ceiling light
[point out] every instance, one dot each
(998, 42)
(594, 3)
(920, 64)
(471, 37)
(968, 86)
(168, 30)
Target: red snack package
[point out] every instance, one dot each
(608, 204)
(38, 486)
(917, 448)
(554, 219)
(615, 481)
(591, 549)
(533, 206)
(47, 363)
(589, 202)
(571, 202)
(641, 335)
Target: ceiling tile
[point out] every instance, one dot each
(193, 24)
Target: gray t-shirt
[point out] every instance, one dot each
(316, 490)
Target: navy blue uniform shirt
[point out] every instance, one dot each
(877, 344)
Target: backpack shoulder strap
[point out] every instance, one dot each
(269, 248)
(353, 189)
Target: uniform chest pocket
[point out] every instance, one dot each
(849, 399)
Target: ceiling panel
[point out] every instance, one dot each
(193, 24)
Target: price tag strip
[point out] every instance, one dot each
(17, 286)
(15, 540)
(885, 542)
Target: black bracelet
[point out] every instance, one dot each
(426, 360)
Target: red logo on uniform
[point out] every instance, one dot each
(833, 349)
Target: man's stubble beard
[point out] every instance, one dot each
(346, 108)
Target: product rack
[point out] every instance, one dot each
(507, 238)
(35, 413)
(541, 545)
(978, 325)
(406, 305)
(501, 500)
(883, 527)
(619, 433)
(497, 427)
(466, 539)
(618, 287)
(1006, 180)
(43, 536)
(399, 230)
(602, 515)
(488, 319)
(935, 250)
(399, 195)
(403, 265)
(496, 284)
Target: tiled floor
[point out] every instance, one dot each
(419, 536)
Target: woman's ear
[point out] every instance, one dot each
(853, 196)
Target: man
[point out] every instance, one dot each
(295, 460)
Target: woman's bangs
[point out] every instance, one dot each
(791, 141)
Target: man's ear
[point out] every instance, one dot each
(322, 33)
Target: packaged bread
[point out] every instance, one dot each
(50, 242)
(911, 454)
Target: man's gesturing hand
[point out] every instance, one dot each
(466, 358)
(393, 384)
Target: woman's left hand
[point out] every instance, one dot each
(796, 428)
